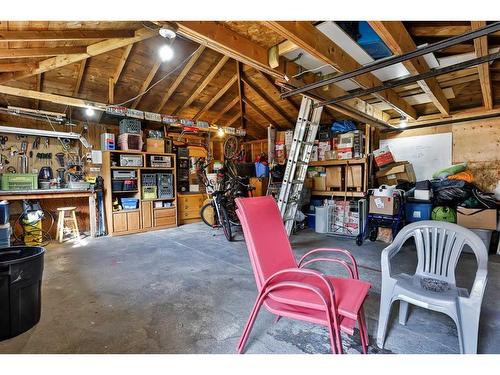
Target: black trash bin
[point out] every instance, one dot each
(21, 269)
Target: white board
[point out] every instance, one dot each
(427, 153)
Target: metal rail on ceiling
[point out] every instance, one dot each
(405, 81)
(379, 64)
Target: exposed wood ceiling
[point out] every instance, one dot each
(115, 62)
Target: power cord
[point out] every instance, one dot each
(46, 237)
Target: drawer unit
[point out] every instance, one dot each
(163, 212)
(126, 221)
(189, 206)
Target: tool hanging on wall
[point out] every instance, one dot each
(36, 143)
(60, 159)
(3, 141)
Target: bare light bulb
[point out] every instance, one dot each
(89, 112)
(220, 132)
(166, 53)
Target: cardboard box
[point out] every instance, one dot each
(347, 138)
(383, 156)
(393, 175)
(322, 148)
(280, 137)
(477, 218)
(319, 183)
(333, 177)
(422, 195)
(155, 145)
(314, 153)
(354, 176)
(344, 155)
(383, 205)
(331, 155)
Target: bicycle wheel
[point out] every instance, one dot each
(207, 214)
(231, 147)
(224, 221)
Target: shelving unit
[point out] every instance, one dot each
(146, 217)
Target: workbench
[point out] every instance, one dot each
(42, 194)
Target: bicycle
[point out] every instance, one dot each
(220, 211)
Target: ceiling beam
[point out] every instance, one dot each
(270, 82)
(203, 84)
(180, 77)
(9, 53)
(263, 96)
(53, 98)
(261, 112)
(146, 83)
(228, 42)
(317, 44)
(233, 119)
(16, 66)
(79, 77)
(240, 95)
(226, 109)
(441, 31)
(91, 50)
(217, 96)
(121, 63)
(38, 87)
(111, 90)
(481, 49)
(399, 41)
(60, 35)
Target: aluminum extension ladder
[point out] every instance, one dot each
(298, 160)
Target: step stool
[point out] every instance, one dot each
(62, 219)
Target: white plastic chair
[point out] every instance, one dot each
(433, 287)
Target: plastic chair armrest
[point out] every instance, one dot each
(387, 254)
(333, 260)
(479, 285)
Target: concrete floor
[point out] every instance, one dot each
(188, 290)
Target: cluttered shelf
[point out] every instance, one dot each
(356, 194)
(323, 163)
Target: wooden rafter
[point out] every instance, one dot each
(203, 84)
(265, 97)
(233, 119)
(121, 63)
(399, 41)
(111, 90)
(180, 77)
(60, 35)
(481, 48)
(226, 41)
(16, 66)
(240, 95)
(91, 50)
(226, 109)
(271, 83)
(81, 71)
(223, 40)
(442, 31)
(146, 83)
(217, 96)
(317, 44)
(8, 53)
(260, 112)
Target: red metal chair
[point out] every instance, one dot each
(287, 289)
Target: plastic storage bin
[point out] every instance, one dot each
(4, 212)
(21, 269)
(321, 222)
(417, 211)
(117, 185)
(129, 203)
(5, 232)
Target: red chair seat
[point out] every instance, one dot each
(349, 294)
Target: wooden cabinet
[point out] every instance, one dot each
(147, 212)
(189, 205)
(151, 213)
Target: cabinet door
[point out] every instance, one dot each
(120, 222)
(147, 209)
(133, 220)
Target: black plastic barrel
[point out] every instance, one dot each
(21, 269)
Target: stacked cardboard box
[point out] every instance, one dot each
(345, 220)
(396, 173)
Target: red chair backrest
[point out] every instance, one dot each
(267, 242)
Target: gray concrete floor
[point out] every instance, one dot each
(187, 290)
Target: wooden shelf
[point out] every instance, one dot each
(355, 194)
(158, 199)
(324, 163)
(125, 191)
(126, 167)
(122, 211)
(158, 168)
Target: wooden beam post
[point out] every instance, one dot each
(111, 90)
(240, 95)
(226, 109)
(217, 96)
(81, 71)
(146, 83)
(481, 48)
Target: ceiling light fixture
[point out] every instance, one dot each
(403, 123)
(167, 33)
(166, 53)
(89, 112)
(220, 132)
